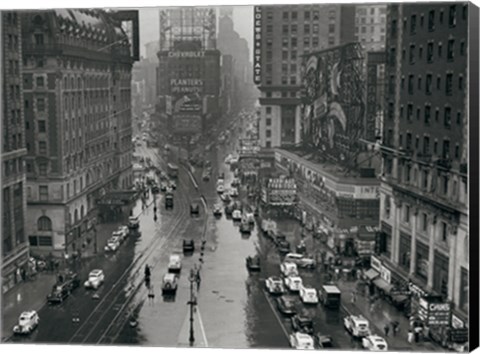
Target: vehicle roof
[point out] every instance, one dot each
(310, 290)
(331, 289)
(28, 313)
(376, 338)
(275, 278)
(133, 218)
(360, 319)
(174, 257)
(295, 255)
(295, 277)
(169, 276)
(289, 265)
(303, 336)
(96, 272)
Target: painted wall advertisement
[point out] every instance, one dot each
(257, 47)
(334, 107)
(187, 105)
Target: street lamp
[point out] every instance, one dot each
(192, 303)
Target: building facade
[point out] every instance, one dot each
(189, 70)
(77, 96)
(424, 189)
(282, 34)
(15, 250)
(370, 26)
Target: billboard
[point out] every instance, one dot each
(333, 104)
(187, 123)
(257, 47)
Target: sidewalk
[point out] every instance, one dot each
(198, 331)
(29, 295)
(379, 315)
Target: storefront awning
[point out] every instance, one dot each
(382, 284)
(371, 274)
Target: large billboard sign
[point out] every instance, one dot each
(257, 47)
(334, 107)
(187, 123)
(186, 85)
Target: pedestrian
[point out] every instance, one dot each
(354, 297)
(386, 329)
(410, 336)
(395, 327)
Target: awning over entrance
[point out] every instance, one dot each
(371, 274)
(117, 198)
(382, 284)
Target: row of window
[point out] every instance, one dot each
(12, 167)
(417, 83)
(427, 115)
(293, 15)
(372, 10)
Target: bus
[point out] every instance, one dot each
(172, 170)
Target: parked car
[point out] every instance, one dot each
(188, 246)
(194, 209)
(95, 279)
(324, 341)
(237, 215)
(133, 222)
(217, 210)
(286, 305)
(155, 189)
(169, 284)
(374, 343)
(288, 268)
(173, 185)
(245, 227)
(300, 260)
(283, 246)
(122, 231)
(301, 341)
(163, 187)
(293, 283)
(309, 295)
(253, 263)
(27, 322)
(250, 217)
(357, 326)
(168, 201)
(220, 189)
(233, 192)
(174, 263)
(303, 324)
(235, 182)
(113, 244)
(274, 285)
(229, 209)
(225, 197)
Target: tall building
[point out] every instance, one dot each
(282, 34)
(151, 50)
(77, 94)
(189, 70)
(370, 26)
(424, 190)
(15, 248)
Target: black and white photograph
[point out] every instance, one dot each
(250, 176)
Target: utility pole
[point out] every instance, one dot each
(192, 303)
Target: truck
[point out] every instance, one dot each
(64, 286)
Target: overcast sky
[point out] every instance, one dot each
(149, 27)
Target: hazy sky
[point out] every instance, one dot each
(149, 27)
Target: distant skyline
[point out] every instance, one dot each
(149, 24)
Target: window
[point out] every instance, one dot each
(457, 151)
(43, 193)
(462, 48)
(306, 15)
(420, 52)
(40, 81)
(285, 55)
(413, 24)
(293, 54)
(410, 84)
(40, 104)
(448, 117)
(412, 53)
(426, 145)
(42, 168)
(268, 122)
(409, 141)
(406, 215)
(418, 113)
(42, 128)
(285, 15)
(315, 29)
(452, 16)
(269, 110)
(269, 15)
(417, 142)
(393, 28)
(38, 39)
(42, 147)
(428, 84)
(268, 133)
(293, 68)
(441, 16)
(431, 20)
(294, 15)
(419, 82)
(449, 84)
(440, 46)
(435, 147)
(268, 144)
(269, 28)
(409, 112)
(437, 114)
(446, 149)
(427, 115)
(44, 224)
(294, 41)
(439, 82)
(294, 29)
(306, 29)
(331, 28)
(450, 48)
(293, 80)
(285, 29)
(459, 117)
(306, 42)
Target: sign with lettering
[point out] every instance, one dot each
(185, 123)
(438, 314)
(186, 54)
(257, 46)
(376, 264)
(186, 85)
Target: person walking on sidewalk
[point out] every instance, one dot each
(410, 336)
(354, 297)
(386, 329)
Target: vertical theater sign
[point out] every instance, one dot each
(257, 40)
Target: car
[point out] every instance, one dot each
(245, 227)
(133, 222)
(234, 160)
(300, 260)
(188, 246)
(303, 324)
(168, 201)
(194, 208)
(217, 210)
(286, 305)
(301, 341)
(163, 187)
(309, 295)
(225, 197)
(95, 278)
(155, 189)
(169, 284)
(27, 322)
(124, 232)
(288, 268)
(237, 215)
(173, 185)
(220, 189)
(293, 283)
(206, 176)
(118, 235)
(174, 263)
(274, 285)
(113, 244)
(374, 343)
(235, 182)
(357, 326)
(253, 263)
(283, 246)
(234, 192)
(63, 287)
(324, 341)
(250, 217)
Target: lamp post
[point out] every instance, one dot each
(192, 303)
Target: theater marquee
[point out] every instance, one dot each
(257, 50)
